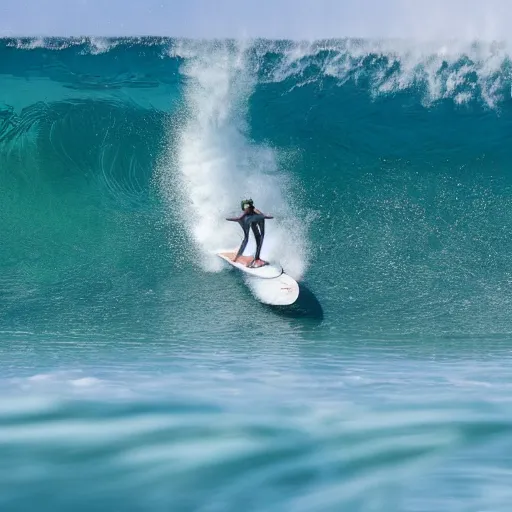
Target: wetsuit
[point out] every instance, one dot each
(256, 222)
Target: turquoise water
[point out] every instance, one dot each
(137, 372)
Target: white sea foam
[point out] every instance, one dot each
(218, 165)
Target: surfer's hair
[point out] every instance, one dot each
(246, 202)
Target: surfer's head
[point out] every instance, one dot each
(247, 204)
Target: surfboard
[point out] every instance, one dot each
(270, 284)
(280, 291)
(267, 271)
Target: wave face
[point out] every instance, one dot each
(386, 166)
(134, 365)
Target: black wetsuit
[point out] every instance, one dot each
(256, 222)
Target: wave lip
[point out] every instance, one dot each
(459, 70)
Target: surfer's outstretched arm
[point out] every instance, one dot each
(236, 219)
(261, 213)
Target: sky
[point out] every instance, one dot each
(295, 19)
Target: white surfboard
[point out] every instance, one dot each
(280, 291)
(266, 272)
(268, 283)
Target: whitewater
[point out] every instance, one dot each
(138, 372)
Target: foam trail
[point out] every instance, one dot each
(219, 166)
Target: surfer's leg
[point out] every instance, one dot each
(259, 238)
(259, 231)
(245, 227)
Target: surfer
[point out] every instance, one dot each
(251, 218)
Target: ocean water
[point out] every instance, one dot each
(138, 373)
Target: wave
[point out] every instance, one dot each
(384, 163)
(458, 70)
(139, 376)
